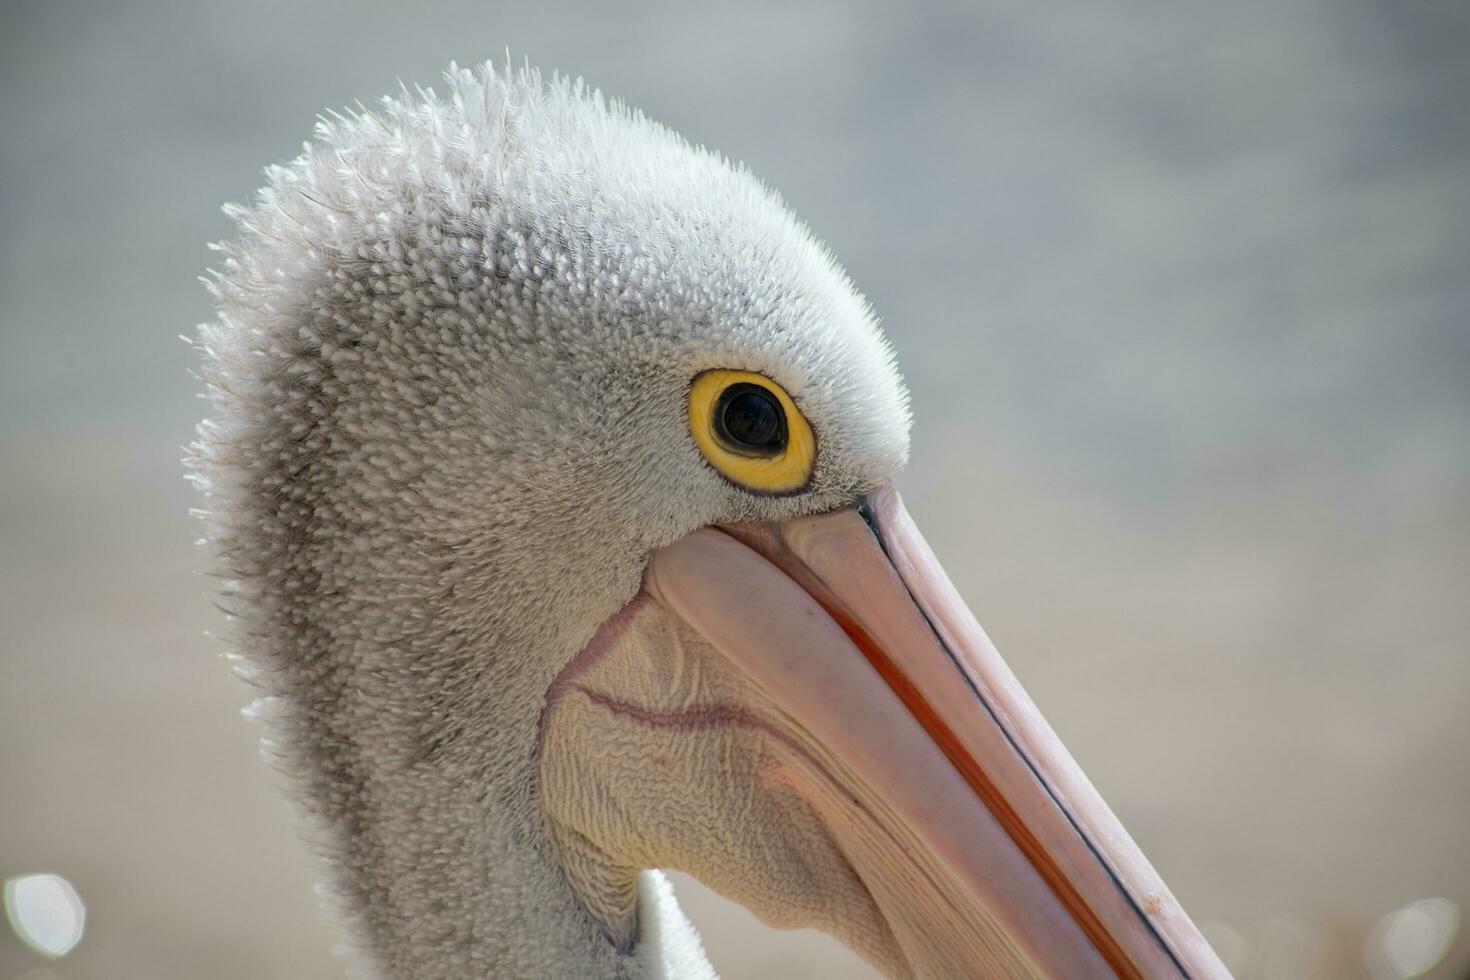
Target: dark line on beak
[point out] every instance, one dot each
(870, 517)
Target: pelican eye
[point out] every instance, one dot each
(749, 419)
(751, 431)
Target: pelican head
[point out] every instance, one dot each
(548, 463)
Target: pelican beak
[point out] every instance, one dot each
(974, 832)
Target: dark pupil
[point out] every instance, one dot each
(750, 418)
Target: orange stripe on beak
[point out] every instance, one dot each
(867, 631)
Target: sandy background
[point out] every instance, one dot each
(1183, 294)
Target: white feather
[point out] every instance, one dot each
(448, 378)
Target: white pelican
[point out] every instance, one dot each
(548, 464)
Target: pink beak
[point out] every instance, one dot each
(1016, 866)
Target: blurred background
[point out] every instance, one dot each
(1183, 295)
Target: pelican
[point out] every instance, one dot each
(548, 466)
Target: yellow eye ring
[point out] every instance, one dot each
(751, 431)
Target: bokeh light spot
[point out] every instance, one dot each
(46, 913)
(1411, 941)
